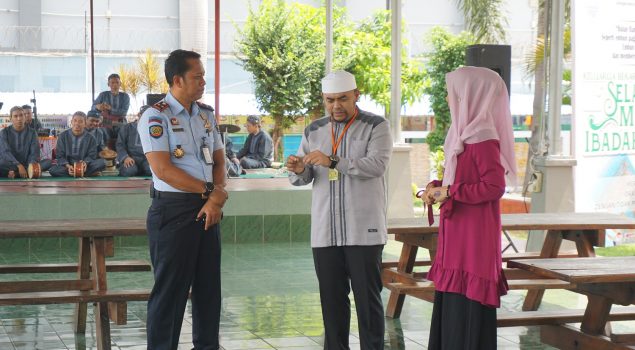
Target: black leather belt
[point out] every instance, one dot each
(174, 195)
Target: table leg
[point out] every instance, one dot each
(83, 273)
(584, 243)
(102, 320)
(550, 249)
(596, 315)
(406, 264)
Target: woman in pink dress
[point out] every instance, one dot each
(479, 155)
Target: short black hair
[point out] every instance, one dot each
(176, 64)
(26, 107)
(114, 76)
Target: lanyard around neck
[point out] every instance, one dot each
(339, 140)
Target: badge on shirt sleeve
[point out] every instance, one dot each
(156, 131)
(155, 120)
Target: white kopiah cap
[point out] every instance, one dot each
(338, 81)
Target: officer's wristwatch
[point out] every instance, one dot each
(209, 187)
(334, 159)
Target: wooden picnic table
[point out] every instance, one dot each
(605, 281)
(585, 229)
(96, 242)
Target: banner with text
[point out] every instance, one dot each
(603, 107)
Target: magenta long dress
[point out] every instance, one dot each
(468, 258)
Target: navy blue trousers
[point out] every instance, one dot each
(183, 255)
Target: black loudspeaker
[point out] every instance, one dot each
(495, 57)
(154, 98)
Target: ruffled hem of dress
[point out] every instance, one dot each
(486, 292)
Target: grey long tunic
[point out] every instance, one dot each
(71, 148)
(19, 147)
(129, 143)
(352, 210)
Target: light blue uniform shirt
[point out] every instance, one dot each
(164, 131)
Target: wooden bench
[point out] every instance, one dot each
(555, 317)
(72, 297)
(506, 258)
(111, 266)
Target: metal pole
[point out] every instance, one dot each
(328, 63)
(395, 70)
(556, 54)
(92, 53)
(217, 59)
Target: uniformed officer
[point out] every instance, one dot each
(183, 146)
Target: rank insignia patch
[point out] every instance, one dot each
(156, 131)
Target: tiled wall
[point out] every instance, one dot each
(250, 216)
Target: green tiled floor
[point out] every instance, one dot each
(270, 301)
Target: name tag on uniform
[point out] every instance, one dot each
(178, 129)
(333, 175)
(206, 153)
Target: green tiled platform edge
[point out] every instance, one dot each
(250, 216)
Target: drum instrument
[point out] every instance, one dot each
(78, 169)
(34, 171)
(228, 128)
(109, 156)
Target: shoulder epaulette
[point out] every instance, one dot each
(204, 106)
(161, 106)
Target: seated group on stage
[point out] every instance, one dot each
(81, 151)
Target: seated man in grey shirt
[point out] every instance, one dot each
(257, 152)
(132, 160)
(19, 147)
(75, 146)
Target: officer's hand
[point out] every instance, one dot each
(317, 158)
(210, 213)
(22, 171)
(295, 164)
(128, 162)
(70, 170)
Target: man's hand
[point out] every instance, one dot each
(70, 170)
(84, 166)
(22, 171)
(128, 162)
(210, 213)
(295, 164)
(106, 106)
(317, 158)
(236, 161)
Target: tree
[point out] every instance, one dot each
(484, 19)
(535, 65)
(150, 74)
(448, 53)
(369, 53)
(280, 46)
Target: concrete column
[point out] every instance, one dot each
(399, 183)
(556, 194)
(193, 25)
(30, 19)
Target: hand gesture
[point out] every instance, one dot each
(128, 162)
(295, 164)
(22, 171)
(317, 158)
(436, 194)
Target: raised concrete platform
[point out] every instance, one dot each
(259, 210)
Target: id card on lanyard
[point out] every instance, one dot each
(333, 173)
(206, 153)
